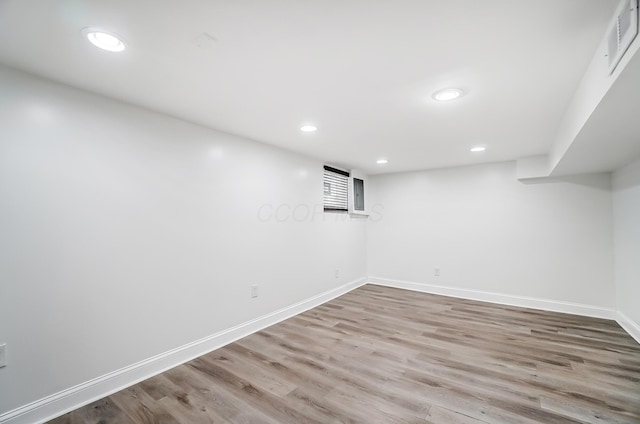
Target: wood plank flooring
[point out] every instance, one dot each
(384, 355)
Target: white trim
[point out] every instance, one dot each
(72, 398)
(628, 325)
(500, 298)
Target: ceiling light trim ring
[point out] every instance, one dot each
(105, 40)
(448, 94)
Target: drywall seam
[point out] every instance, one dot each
(69, 399)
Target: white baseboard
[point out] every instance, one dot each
(67, 400)
(72, 398)
(500, 298)
(630, 326)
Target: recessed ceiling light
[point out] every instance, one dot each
(382, 161)
(478, 149)
(104, 40)
(308, 128)
(447, 94)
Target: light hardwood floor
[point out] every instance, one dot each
(384, 355)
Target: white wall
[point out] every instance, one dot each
(626, 225)
(488, 232)
(125, 233)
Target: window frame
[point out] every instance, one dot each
(344, 187)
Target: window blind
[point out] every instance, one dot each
(336, 184)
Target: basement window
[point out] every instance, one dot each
(336, 187)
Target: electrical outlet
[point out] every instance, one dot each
(3, 355)
(337, 273)
(436, 272)
(254, 291)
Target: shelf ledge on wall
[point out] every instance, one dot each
(360, 215)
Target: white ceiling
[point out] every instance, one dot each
(362, 71)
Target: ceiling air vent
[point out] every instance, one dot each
(624, 29)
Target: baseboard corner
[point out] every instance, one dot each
(628, 325)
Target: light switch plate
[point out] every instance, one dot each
(3, 355)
